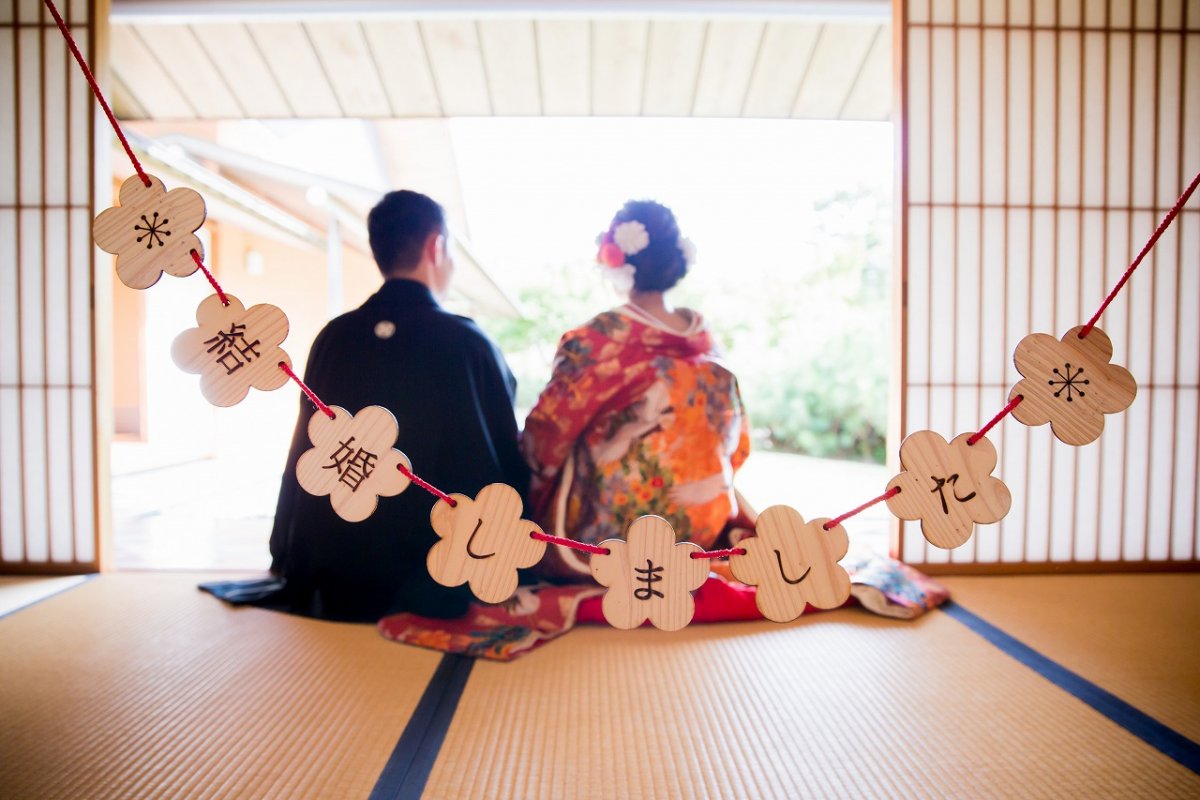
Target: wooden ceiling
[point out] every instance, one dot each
(378, 68)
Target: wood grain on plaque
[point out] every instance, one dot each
(352, 460)
(793, 563)
(948, 486)
(233, 349)
(1070, 383)
(151, 231)
(484, 541)
(649, 576)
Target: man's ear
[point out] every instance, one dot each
(435, 245)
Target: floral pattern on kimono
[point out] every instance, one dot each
(635, 420)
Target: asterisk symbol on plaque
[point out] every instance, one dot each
(135, 232)
(1069, 381)
(155, 229)
(1055, 372)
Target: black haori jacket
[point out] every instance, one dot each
(452, 394)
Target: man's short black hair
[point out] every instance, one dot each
(398, 226)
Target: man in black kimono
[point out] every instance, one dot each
(451, 393)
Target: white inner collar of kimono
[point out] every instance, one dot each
(637, 313)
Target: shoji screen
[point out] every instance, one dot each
(47, 387)
(1041, 143)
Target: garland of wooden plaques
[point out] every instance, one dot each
(1067, 382)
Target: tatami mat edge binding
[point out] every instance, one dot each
(840, 704)
(1154, 733)
(141, 686)
(409, 766)
(27, 596)
(1136, 636)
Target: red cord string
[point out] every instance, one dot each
(571, 543)
(1162, 226)
(429, 487)
(833, 523)
(1016, 401)
(729, 551)
(558, 540)
(220, 293)
(316, 401)
(87, 74)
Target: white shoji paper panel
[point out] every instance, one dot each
(29, 11)
(995, 341)
(967, 335)
(969, 115)
(1075, 142)
(1071, 133)
(10, 340)
(995, 114)
(54, 103)
(79, 142)
(1013, 446)
(1020, 134)
(1045, 116)
(941, 296)
(56, 297)
(34, 462)
(942, 116)
(8, 118)
(918, 296)
(12, 501)
(919, 154)
(29, 108)
(1120, 107)
(1085, 511)
(1184, 487)
(59, 475)
(82, 462)
(30, 261)
(47, 467)
(79, 297)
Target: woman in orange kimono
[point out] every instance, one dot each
(639, 416)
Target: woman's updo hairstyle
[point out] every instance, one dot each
(661, 264)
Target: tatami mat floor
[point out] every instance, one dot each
(138, 685)
(1136, 636)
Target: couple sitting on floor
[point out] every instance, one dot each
(638, 418)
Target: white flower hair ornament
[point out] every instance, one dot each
(632, 237)
(628, 239)
(688, 248)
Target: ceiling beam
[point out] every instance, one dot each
(175, 11)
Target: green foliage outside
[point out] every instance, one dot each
(808, 336)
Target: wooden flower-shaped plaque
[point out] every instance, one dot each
(352, 460)
(948, 486)
(233, 349)
(151, 231)
(649, 576)
(1070, 383)
(483, 542)
(793, 563)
